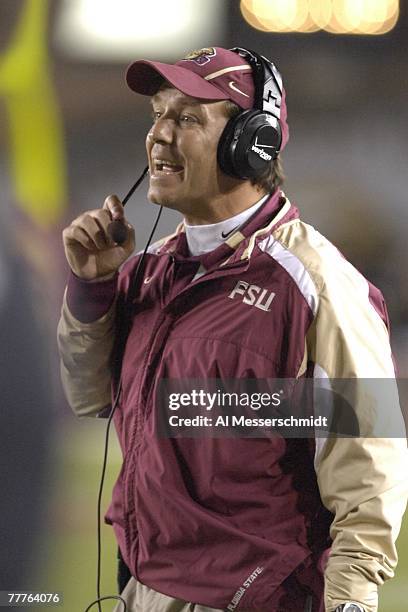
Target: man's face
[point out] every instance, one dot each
(182, 152)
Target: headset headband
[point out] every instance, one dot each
(267, 81)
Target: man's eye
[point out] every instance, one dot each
(156, 115)
(187, 119)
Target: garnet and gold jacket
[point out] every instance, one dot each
(243, 523)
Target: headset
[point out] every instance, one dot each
(252, 139)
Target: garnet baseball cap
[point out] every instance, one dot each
(212, 73)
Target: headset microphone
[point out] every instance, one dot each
(117, 229)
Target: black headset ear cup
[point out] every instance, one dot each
(229, 148)
(224, 147)
(248, 144)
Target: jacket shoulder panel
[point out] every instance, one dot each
(295, 267)
(349, 337)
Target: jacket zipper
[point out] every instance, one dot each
(130, 469)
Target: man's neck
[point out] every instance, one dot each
(204, 238)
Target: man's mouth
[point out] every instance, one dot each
(165, 166)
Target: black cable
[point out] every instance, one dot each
(135, 186)
(117, 230)
(105, 598)
(99, 504)
(114, 405)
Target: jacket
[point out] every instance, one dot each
(244, 523)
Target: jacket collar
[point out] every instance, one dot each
(274, 212)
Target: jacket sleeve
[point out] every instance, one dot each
(85, 342)
(362, 480)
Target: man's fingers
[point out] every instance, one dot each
(131, 232)
(130, 241)
(96, 233)
(76, 234)
(89, 224)
(114, 206)
(102, 217)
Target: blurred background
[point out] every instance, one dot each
(71, 133)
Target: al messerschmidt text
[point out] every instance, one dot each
(242, 421)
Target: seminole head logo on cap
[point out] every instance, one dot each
(201, 56)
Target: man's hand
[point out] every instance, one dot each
(89, 249)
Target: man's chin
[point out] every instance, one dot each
(167, 200)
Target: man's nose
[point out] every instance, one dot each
(162, 131)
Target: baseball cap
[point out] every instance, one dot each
(212, 73)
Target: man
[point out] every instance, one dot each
(242, 290)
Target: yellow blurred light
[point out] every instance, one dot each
(309, 25)
(378, 11)
(336, 16)
(274, 14)
(381, 10)
(302, 21)
(349, 13)
(299, 20)
(340, 19)
(382, 28)
(334, 27)
(321, 12)
(379, 17)
(248, 15)
(363, 16)
(37, 152)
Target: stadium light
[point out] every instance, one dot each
(120, 29)
(336, 16)
(250, 17)
(364, 16)
(320, 12)
(277, 16)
